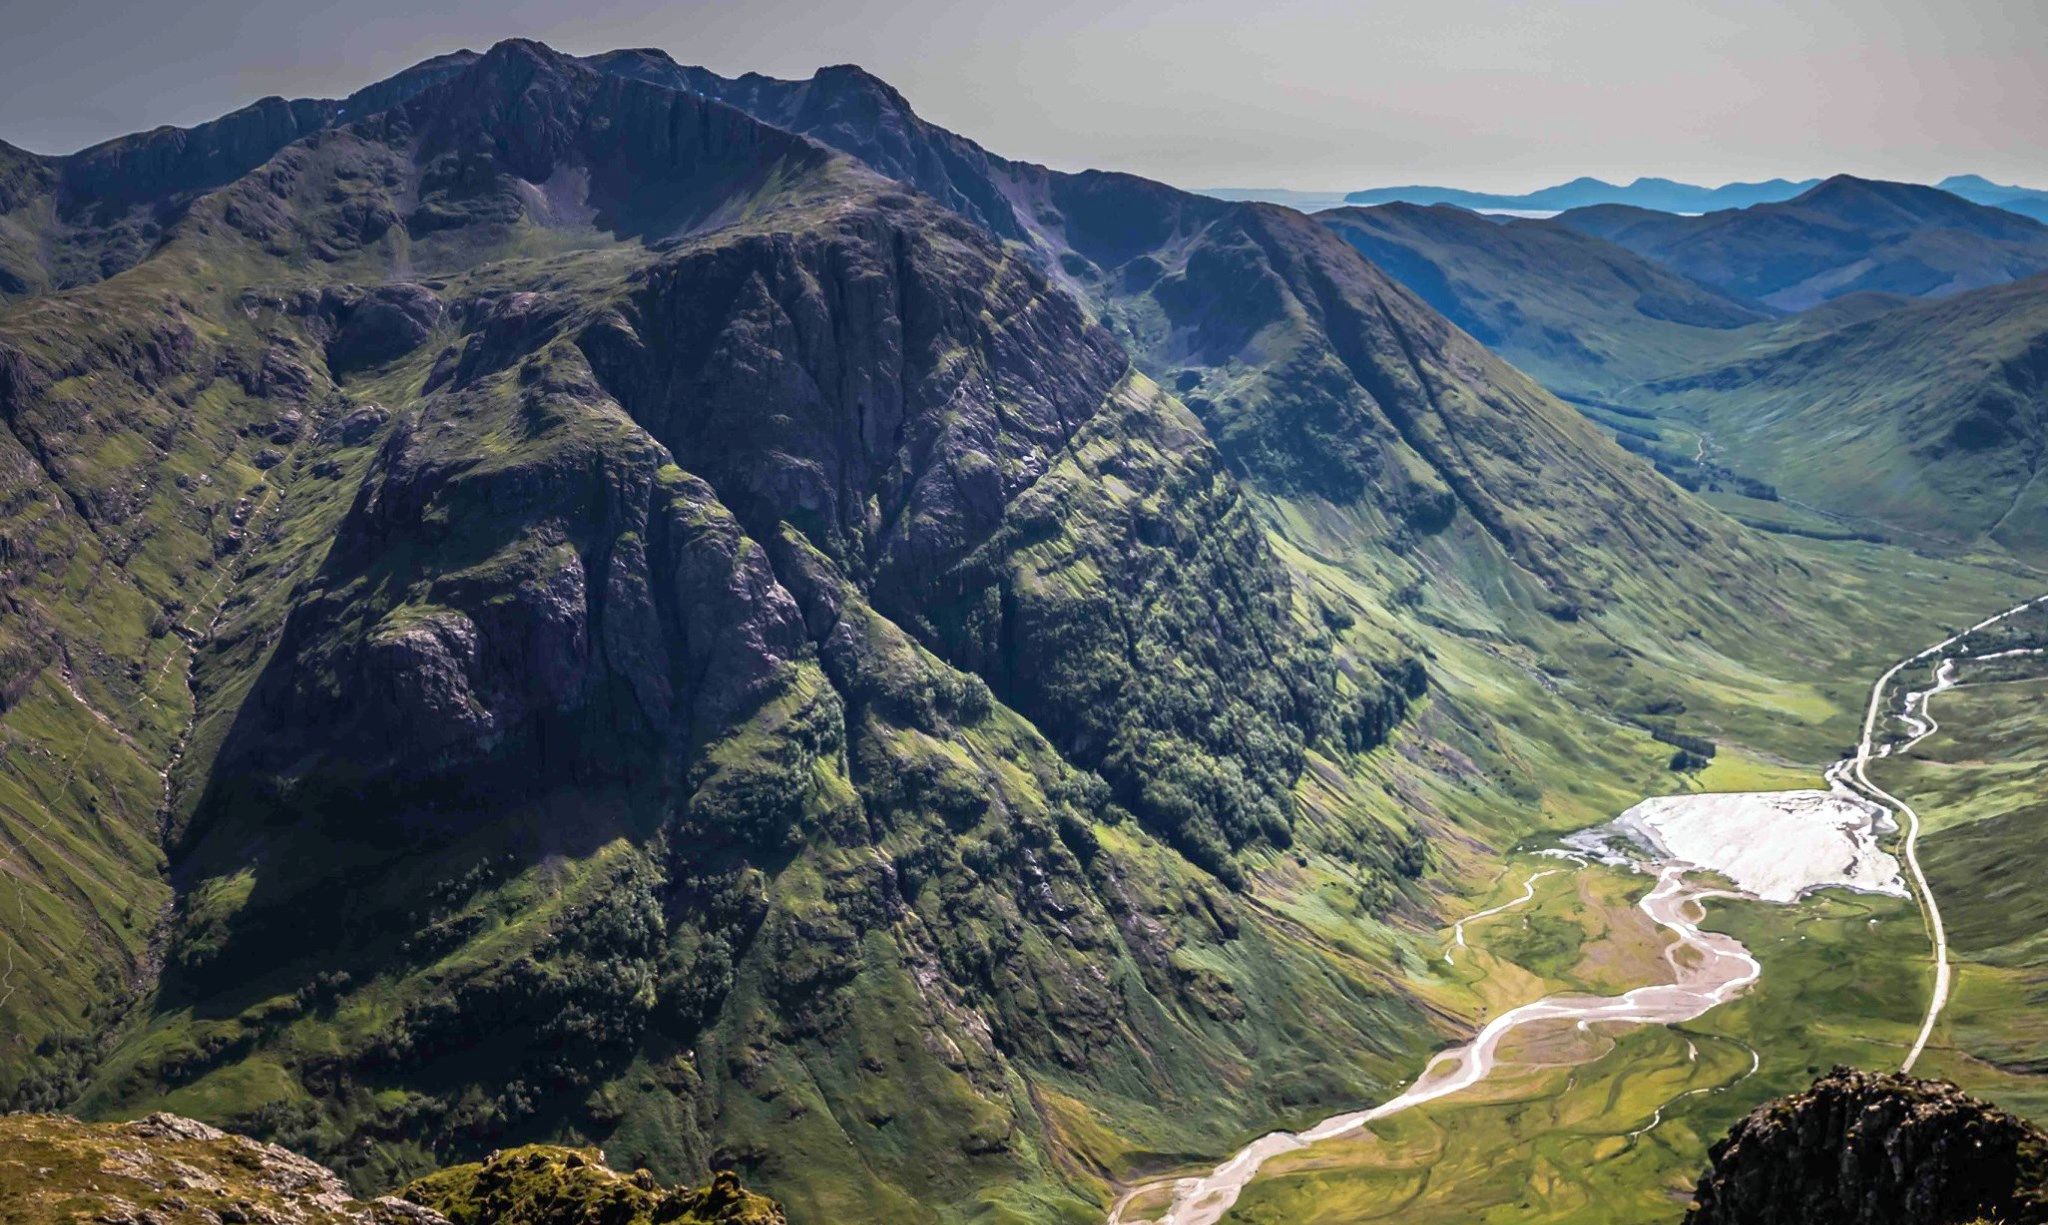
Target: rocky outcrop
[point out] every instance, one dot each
(544, 1185)
(846, 108)
(603, 589)
(370, 327)
(167, 1170)
(1867, 1148)
(889, 383)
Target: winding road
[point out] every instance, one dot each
(1858, 777)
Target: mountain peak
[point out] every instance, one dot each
(853, 77)
(1881, 203)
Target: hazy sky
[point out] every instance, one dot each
(1315, 94)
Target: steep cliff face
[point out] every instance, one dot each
(653, 634)
(846, 108)
(1317, 376)
(1864, 1148)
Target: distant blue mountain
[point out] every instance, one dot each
(2026, 201)
(1664, 195)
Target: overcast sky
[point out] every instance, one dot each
(1311, 94)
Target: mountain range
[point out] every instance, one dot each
(1663, 195)
(1659, 195)
(1844, 236)
(2026, 201)
(580, 599)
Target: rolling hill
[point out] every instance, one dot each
(1928, 417)
(2026, 201)
(1582, 315)
(1844, 236)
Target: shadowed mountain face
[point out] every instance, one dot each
(1845, 236)
(75, 219)
(848, 109)
(654, 632)
(1579, 313)
(569, 610)
(1315, 373)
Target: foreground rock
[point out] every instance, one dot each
(1865, 1148)
(166, 1170)
(543, 1185)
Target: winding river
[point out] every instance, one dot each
(1717, 969)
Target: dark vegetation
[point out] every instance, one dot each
(1867, 1148)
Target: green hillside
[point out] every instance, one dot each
(1582, 315)
(1926, 420)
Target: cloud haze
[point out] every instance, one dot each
(1324, 94)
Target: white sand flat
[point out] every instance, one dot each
(1776, 845)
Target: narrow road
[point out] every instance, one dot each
(1857, 775)
(1708, 969)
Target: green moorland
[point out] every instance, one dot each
(1584, 316)
(1566, 1132)
(1612, 1123)
(1922, 422)
(1979, 784)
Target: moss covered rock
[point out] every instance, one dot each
(540, 1184)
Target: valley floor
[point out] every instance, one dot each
(1611, 1122)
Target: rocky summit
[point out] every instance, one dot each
(1867, 1148)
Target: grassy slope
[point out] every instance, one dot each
(1582, 315)
(1554, 1143)
(1978, 785)
(1924, 419)
(1565, 1132)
